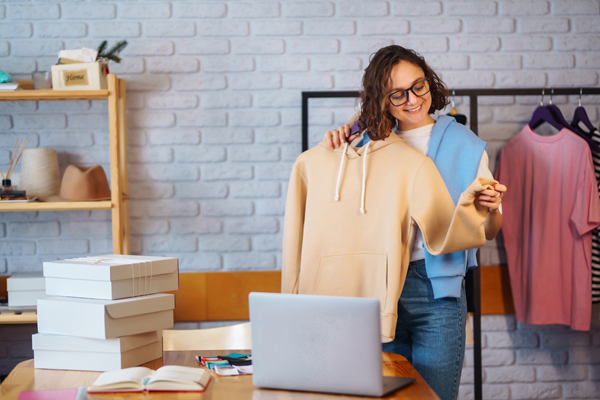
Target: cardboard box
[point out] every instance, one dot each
(82, 354)
(25, 289)
(111, 277)
(105, 319)
(82, 76)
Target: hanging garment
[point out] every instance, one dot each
(550, 210)
(595, 135)
(351, 215)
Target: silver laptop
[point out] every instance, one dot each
(319, 344)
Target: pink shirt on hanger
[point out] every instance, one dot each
(549, 211)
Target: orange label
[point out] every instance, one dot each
(75, 77)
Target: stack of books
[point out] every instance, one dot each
(104, 313)
(228, 365)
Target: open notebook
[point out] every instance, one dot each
(170, 378)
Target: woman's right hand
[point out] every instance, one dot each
(336, 137)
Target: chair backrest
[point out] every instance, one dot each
(221, 296)
(233, 337)
(217, 296)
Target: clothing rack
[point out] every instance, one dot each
(473, 276)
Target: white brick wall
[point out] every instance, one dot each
(523, 361)
(214, 126)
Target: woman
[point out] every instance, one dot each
(401, 92)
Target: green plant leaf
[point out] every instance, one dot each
(102, 47)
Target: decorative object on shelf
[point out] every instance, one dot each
(85, 69)
(113, 53)
(6, 82)
(7, 191)
(41, 80)
(82, 184)
(39, 172)
(4, 77)
(80, 76)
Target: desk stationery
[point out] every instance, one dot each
(26, 377)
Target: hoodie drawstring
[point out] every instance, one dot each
(339, 180)
(364, 178)
(362, 197)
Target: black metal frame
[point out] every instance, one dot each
(473, 277)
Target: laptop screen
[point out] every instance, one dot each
(316, 343)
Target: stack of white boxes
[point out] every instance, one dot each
(24, 290)
(109, 313)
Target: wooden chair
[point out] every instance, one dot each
(233, 337)
(217, 296)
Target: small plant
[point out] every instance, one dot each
(111, 54)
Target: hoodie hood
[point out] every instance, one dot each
(351, 153)
(375, 146)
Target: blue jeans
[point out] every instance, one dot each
(430, 332)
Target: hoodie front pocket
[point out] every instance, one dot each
(354, 275)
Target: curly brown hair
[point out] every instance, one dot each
(375, 116)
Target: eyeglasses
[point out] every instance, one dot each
(419, 89)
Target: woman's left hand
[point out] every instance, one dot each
(492, 198)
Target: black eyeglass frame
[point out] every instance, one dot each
(409, 89)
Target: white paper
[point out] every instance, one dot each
(244, 369)
(84, 54)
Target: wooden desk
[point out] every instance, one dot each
(25, 377)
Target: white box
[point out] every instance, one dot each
(83, 354)
(25, 289)
(25, 298)
(105, 319)
(80, 76)
(111, 276)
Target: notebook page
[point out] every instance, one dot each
(133, 375)
(175, 373)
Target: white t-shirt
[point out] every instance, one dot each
(419, 139)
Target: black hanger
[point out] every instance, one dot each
(543, 114)
(580, 115)
(575, 129)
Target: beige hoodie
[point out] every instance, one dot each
(332, 248)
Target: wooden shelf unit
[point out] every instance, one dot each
(56, 206)
(118, 157)
(56, 95)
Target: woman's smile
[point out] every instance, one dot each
(415, 110)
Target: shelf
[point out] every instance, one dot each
(17, 319)
(56, 206)
(117, 145)
(49, 95)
